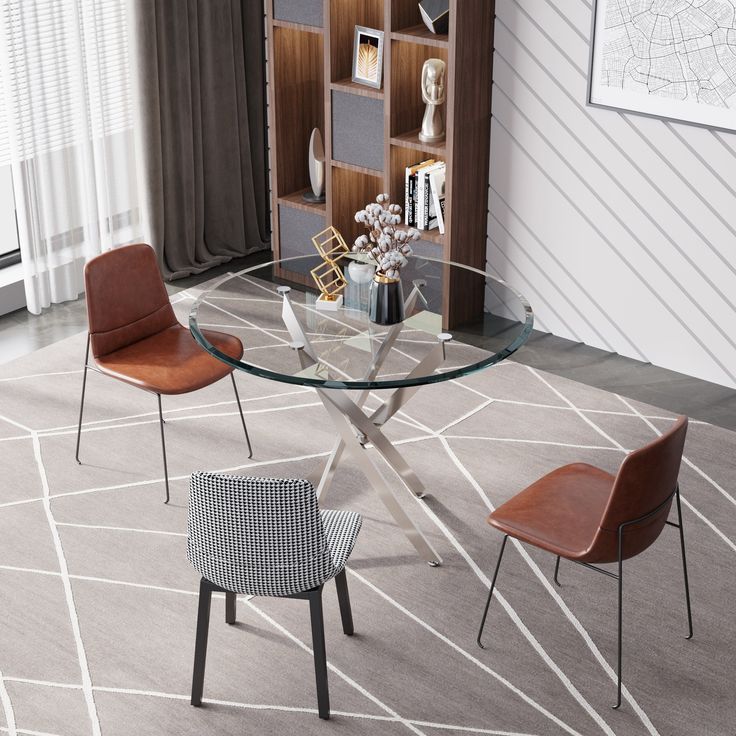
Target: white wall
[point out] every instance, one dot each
(620, 229)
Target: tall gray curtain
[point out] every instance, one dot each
(202, 136)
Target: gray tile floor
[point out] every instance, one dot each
(22, 333)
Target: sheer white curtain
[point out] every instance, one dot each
(68, 119)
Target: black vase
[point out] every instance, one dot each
(386, 303)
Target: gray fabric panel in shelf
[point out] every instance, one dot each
(357, 130)
(296, 228)
(306, 12)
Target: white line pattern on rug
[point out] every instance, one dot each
(7, 707)
(545, 582)
(74, 620)
(267, 706)
(687, 461)
(34, 436)
(497, 676)
(516, 619)
(683, 497)
(374, 699)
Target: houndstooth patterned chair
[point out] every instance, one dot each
(267, 536)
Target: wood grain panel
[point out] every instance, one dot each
(404, 14)
(298, 95)
(344, 16)
(468, 118)
(351, 191)
(407, 60)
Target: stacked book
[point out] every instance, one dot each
(424, 195)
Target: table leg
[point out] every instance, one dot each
(375, 478)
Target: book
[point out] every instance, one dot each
(423, 194)
(437, 185)
(410, 181)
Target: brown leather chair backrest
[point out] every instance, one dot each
(126, 298)
(646, 478)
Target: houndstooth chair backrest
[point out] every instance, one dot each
(258, 536)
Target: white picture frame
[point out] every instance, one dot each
(368, 57)
(632, 86)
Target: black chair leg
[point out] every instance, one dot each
(343, 598)
(490, 592)
(200, 648)
(163, 446)
(684, 565)
(620, 613)
(81, 403)
(557, 571)
(230, 607)
(242, 418)
(320, 655)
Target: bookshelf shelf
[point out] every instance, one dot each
(411, 140)
(297, 26)
(420, 34)
(358, 170)
(310, 85)
(295, 200)
(354, 88)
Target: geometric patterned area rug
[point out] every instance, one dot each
(98, 601)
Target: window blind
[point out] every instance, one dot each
(65, 74)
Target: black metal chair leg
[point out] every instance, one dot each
(684, 565)
(81, 403)
(490, 592)
(620, 612)
(200, 648)
(343, 598)
(230, 607)
(163, 446)
(320, 655)
(557, 570)
(242, 418)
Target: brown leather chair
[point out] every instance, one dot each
(136, 338)
(591, 517)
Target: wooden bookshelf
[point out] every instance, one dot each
(371, 135)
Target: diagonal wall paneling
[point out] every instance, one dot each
(620, 229)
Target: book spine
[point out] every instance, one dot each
(420, 201)
(412, 200)
(437, 185)
(425, 214)
(407, 196)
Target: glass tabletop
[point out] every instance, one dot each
(287, 338)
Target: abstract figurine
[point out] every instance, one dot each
(434, 95)
(328, 276)
(316, 169)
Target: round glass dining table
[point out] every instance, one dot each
(347, 358)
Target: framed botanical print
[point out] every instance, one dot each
(368, 57)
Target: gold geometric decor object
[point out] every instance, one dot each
(328, 276)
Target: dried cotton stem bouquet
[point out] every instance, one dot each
(387, 244)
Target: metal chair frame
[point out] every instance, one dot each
(619, 577)
(93, 367)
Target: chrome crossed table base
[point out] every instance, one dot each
(357, 427)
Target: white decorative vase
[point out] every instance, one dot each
(361, 273)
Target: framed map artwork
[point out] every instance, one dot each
(671, 59)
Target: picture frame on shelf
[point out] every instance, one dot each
(368, 57)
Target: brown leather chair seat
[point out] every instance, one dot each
(171, 362)
(561, 512)
(135, 337)
(584, 514)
